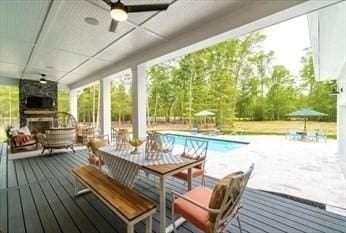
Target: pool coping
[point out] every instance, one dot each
(187, 134)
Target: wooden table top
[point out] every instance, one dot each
(171, 168)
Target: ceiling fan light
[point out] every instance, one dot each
(119, 13)
(43, 81)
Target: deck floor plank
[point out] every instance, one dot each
(31, 217)
(3, 211)
(11, 174)
(21, 178)
(29, 173)
(296, 218)
(35, 168)
(80, 219)
(37, 195)
(3, 167)
(64, 219)
(48, 219)
(15, 214)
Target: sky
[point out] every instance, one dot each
(288, 41)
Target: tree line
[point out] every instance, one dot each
(236, 80)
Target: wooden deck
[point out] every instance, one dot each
(36, 195)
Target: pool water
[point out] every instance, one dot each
(213, 143)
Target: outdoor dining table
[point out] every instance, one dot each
(124, 167)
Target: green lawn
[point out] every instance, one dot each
(262, 127)
(281, 127)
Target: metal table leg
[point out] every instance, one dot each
(189, 179)
(162, 205)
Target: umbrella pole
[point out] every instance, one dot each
(304, 124)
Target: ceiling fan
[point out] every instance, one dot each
(119, 11)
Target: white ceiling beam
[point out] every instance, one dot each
(252, 16)
(44, 23)
(51, 16)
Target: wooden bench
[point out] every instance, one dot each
(128, 204)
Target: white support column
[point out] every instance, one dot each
(105, 107)
(74, 103)
(341, 118)
(139, 97)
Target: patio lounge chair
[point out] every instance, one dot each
(195, 129)
(322, 135)
(212, 210)
(311, 136)
(292, 135)
(194, 149)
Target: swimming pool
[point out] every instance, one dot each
(214, 144)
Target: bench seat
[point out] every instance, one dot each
(127, 203)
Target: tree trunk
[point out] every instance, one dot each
(155, 108)
(119, 119)
(10, 104)
(94, 106)
(98, 109)
(190, 101)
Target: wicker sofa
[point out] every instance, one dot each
(57, 138)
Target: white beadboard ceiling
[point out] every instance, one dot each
(51, 37)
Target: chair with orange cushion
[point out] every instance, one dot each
(94, 157)
(194, 149)
(212, 210)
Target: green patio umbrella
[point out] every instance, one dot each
(205, 114)
(306, 112)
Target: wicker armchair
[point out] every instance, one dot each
(57, 138)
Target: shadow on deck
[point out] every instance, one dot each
(36, 195)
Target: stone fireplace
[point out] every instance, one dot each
(39, 124)
(38, 120)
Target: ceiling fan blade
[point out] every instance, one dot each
(143, 8)
(108, 2)
(113, 26)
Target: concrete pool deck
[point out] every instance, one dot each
(303, 169)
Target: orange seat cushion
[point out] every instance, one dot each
(184, 174)
(191, 212)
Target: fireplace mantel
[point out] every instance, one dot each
(39, 112)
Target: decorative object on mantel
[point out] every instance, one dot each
(136, 143)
